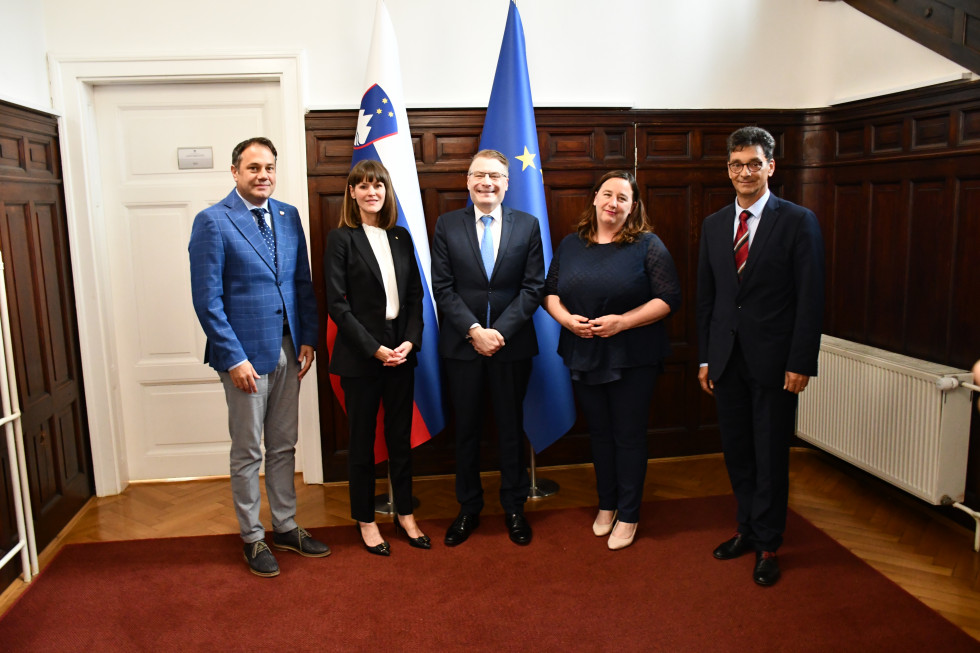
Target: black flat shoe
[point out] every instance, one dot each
(420, 542)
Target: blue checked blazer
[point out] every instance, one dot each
(238, 293)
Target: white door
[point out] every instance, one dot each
(173, 407)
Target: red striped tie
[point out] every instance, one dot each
(742, 243)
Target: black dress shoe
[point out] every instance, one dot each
(460, 529)
(733, 548)
(520, 530)
(766, 570)
(300, 541)
(260, 560)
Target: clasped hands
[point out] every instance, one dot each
(486, 342)
(605, 326)
(393, 357)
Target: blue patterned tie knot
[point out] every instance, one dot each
(266, 232)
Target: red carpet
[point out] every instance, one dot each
(564, 592)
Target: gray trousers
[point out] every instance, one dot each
(273, 408)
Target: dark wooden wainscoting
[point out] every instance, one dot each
(895, 182)
(37, 273)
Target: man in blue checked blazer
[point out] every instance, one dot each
(252, 291)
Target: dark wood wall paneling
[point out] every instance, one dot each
(37, 274)
(895, 182)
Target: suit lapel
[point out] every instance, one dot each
(469, 229)
(770, 214)
(244, 221)
(363, 246)
(506, 229)
(723, 241)
(401, 257)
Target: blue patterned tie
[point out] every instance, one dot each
(486, 251)
(266, 232)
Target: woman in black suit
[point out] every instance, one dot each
(374, 296)
(610, 285)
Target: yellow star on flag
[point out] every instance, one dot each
(379, 110)
(384, 100)
(527, 159)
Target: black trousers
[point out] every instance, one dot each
(393, 388)
(618, 413)
(472, 385)
(757, 424)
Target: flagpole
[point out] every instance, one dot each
(384, 504)
(540, 487)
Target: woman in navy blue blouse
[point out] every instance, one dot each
(610, 286)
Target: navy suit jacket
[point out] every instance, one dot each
(462, 289)
(356, 299)
(777, 310)
(239, 294)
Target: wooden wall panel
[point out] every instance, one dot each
(931, 240)
(887, 265)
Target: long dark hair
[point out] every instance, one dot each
(636, 221)
(350, 212)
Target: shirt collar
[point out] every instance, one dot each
(250, 206)
(496, 214)
(756, 209)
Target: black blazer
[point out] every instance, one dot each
(356, 299)
(461, 287)
(777, 309)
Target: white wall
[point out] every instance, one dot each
(637, 53)
(23, 72)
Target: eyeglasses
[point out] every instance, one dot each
(753, 166)
(494, 176)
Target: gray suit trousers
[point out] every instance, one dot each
(274, 409)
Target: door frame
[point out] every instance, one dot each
(73, 82)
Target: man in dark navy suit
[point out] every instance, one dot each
(488, 279)
(251, 286)
(760, 313)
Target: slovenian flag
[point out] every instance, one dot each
(549, 409)
(383, 135)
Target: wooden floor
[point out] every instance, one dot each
(928, 555)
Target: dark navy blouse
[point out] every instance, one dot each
(609, 279)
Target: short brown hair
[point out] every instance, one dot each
(491, 154)
(236, 154)
(350, 212)
(636, 221)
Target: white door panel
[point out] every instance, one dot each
(173, 406)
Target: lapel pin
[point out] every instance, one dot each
(282, 213)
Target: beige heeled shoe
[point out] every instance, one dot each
(617, 543)
(601, 530)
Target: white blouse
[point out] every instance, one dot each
(382, 252)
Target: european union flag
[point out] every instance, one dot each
(549, 409)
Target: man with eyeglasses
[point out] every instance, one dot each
(760, 312)
(488, 279)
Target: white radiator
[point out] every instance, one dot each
(904, 420)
